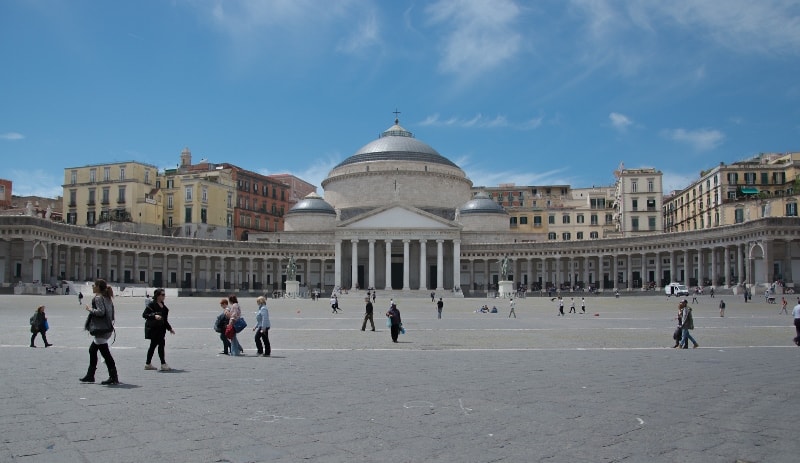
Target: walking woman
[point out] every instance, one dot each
(100, 324)
(156, 325)
(235, 314)
(221, 323)
(39, 326)
(394, 317)
(262, 327)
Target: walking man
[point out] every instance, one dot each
(439, 306)
(796, 314)
(368, 315)
(510, 313)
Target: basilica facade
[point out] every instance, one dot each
(399, 217)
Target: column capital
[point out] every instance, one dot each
(354, 240)
(371, 240)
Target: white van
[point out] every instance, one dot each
(676, 289)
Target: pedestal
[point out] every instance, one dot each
(292, 289)
(505, 289)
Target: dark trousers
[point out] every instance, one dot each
(44, 338)
(266, 349)
(368, 316)
(226, 343)
(395, 332)
(797, 329)
(160, 343)
(106, 353)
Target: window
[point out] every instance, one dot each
(187, 216)
(651, 223)
(90, 218)
(72, 218)
(750, 178)
(230, 199)
(565, 218)
(204, 195)
(537, 221)
(188, 193)
(551, 236)
(597, 203)
(566, 236)
(609, 219)
(593, 219)
(733, 178)
(593, 235)
(169, 221)
(650, 185)
(739, 215)
(92, 175)
(283, 195)
(523, 220)
(791, 209)
(170, 183)
(513, 221)
(106, 174)
(551, 220)
(121, 195)
(635, 223)
(579, 218)
(651, 204)
(73, 177)
(170, 201)
(765, 178)
(634, 186)
(203, 215)
(147, 177)
(579, 235)
(106, 195)
(731, 195)
(635, 204)
(122, 173)
(230, 220)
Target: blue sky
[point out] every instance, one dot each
(538, 92)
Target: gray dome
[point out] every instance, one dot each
(481, 204)
(397, 144)
(312, 203)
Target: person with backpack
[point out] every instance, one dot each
(221, 323)
(39, 326)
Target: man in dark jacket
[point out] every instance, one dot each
(368, 315)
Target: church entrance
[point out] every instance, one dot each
(397, 275)
(433, 277)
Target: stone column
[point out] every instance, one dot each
(406, 267)
(149, 275)
(672, 267)
(423, 264)
(337, 265)
(615, 270)
(701, 267)
(121, 266)
(740, 262)
(687, 262)
(629, 272)
(787, 262)
(456, 264)
(95, 264)
(471, 273)
(727, 266)
(82, 273)
(439, 265)
(388, 265)
(165, 272)
(713, 267)
(135, 271)
(643, 272)
(322, 274)
(68, 265)
(658, 271)
(767, 261)
(558, 278)
(354, 264)
(371, 278)
(486, 275)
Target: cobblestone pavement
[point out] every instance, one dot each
(599, 387)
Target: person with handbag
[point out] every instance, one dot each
(395, 322)
(262, 328)
(100, 324)
(235, 314)
(156, 325)
(39, 326)
(221, 323)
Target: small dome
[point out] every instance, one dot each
(481, 204)
(312, 203)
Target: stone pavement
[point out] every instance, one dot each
(467, 388)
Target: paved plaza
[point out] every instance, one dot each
(599, 387)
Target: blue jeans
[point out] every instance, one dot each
(686, 337)
(236, 348)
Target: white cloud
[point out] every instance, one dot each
(480, 121)
(699, 140)
(620, 121)
(676, 181)
(481, 34)
(11, 136)
(366, 35)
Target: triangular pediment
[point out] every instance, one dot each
(397, 217)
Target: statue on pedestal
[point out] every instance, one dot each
(291, 269)
(504, 267)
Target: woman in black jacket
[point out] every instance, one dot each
(100, 324)
(156, 327)
(39, 326)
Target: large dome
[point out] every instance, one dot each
(397, 144)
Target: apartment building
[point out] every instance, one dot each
(261, 202)
(638, 201)
(766, 185)
(120, 196)
(556, 212)
(298, 188)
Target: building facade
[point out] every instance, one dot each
(637, 202)
(261, 202)
(420, 229)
